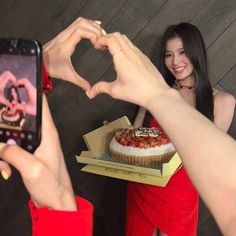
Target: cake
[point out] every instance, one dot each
(12, 118)
(141, 146)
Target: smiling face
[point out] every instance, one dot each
(176, 60)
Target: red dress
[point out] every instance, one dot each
(172, 209)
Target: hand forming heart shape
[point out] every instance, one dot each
(8, 81)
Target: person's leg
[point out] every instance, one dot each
(162, 234)
(155, 232)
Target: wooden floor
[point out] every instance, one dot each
(74, 114)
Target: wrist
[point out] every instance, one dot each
(66, 201)
(161, 100)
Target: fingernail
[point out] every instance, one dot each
(11, 142)
(4, 175)
(104, 32)
(2, 145)
(88, 95)
(98, 22)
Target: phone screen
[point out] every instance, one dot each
(20, 92)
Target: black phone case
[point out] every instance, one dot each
(21, 56)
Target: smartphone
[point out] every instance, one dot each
(20, 92)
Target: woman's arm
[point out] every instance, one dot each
(139, 119)
(224, 106)
(209, 155)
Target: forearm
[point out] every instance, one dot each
(206, 151)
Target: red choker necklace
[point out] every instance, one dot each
(183, 86)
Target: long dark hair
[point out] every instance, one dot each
(195, 50)
(9, 95)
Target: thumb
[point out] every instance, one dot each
(100, 87)
(5, 170)
(18, 157)
(73, 77)
(6, 103)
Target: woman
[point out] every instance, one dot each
(13, 116)
(174, 209)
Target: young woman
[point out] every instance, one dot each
(174, 209)
(13, 116)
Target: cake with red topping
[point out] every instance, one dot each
(142, 146)
(12, 117)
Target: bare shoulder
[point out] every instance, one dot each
(223, 99)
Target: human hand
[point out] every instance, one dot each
(29, 106)
(44, 173)
(5, 77)
(138, 80)
(57, 52)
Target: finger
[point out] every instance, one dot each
(20, 106)
(105, 122)
(16, 156)
(123, 40)
(85, 23)
(72, 76)
(100, 87)
(6, 102)
(128, 42)
(83, 33)
(5, 170)
(21, 159)
(8, 76)
(78, 23)
(23, 82)
(114, 42)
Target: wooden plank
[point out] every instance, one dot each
(16, 22)
(228, 81)
(20, 222)
(103, 10)
(5, 7)
(82, 119)
(214, 18)
(103, 101)
(63, 99)
(10, 191)
(221, 54)
(147, 8)
(55, 17)
(169, 14)
(120, 109)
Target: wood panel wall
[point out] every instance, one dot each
(74, 114)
